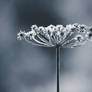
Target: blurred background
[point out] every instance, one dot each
(28, 68)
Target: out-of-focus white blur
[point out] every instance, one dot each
(28, 68)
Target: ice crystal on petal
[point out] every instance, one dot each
(21, 35)
(72, 35)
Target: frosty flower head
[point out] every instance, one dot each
(66, 37)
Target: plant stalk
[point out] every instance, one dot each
(58, 67)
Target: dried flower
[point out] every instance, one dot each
(71, 36)
(66, 37)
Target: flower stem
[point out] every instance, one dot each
(58, 66)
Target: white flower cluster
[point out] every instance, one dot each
(67, 37)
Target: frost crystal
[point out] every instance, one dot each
(72, 35)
